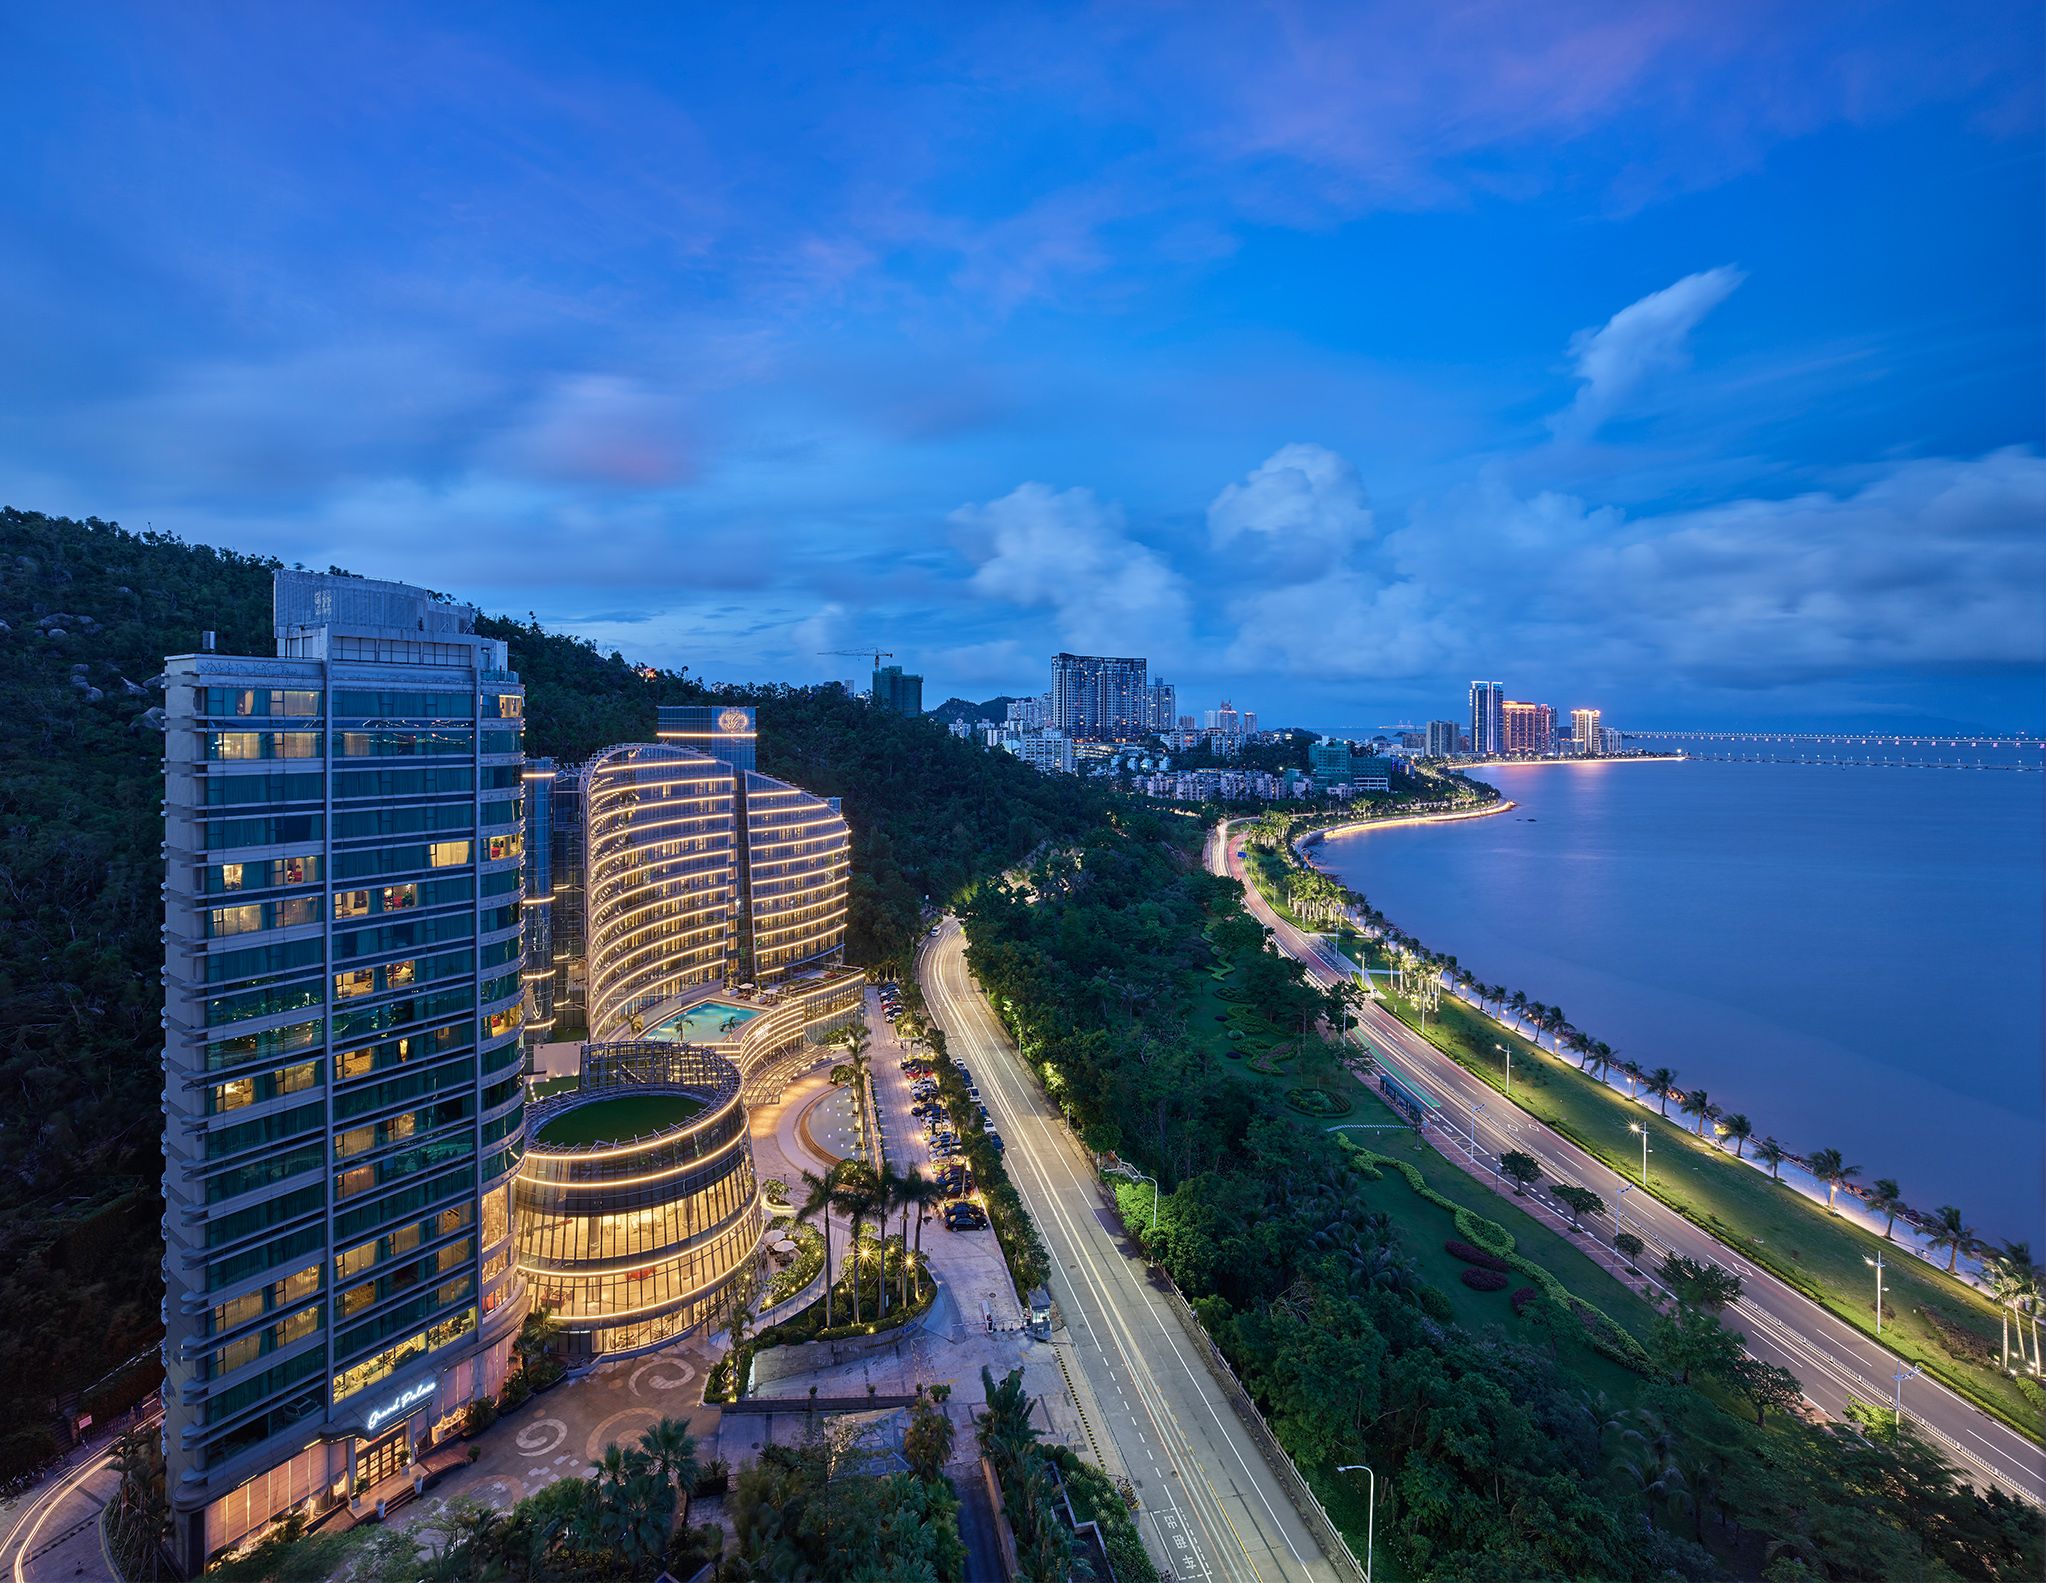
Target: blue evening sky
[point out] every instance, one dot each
(1681, 358)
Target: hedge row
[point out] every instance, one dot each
(1607, 1336)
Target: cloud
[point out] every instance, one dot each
(599, 429)
(1642, 340)
(1069, 552)
(1930, 565)
(1299, 509)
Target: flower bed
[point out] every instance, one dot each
(1317, 1102)
(1474, 1255)
(1485, 1280)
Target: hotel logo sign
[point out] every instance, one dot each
(411, 1396)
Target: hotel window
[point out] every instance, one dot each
(296, 910)
(236, 919)
(354, 1141)
(237, 1310)
(298, 1326)
(357, 1298)
(448, 854)
(351, 903)
(397, 897)
(453, 1254)
(510, 706)
(359, 1180)
(293, 1287)
(358, 1063)
(234, 1095)
(398, 974)
(496, 1215)
(355, 1260)
(404, 1239)
(296, 1079)
(230, 876)
(359, 981)
(503, 846)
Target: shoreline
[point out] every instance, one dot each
(1617, 758)
(1910, 1235)
(1351, 826)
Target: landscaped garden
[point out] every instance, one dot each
(619, 1119)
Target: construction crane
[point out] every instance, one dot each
(879, 654)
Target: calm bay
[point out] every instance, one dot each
(1849, 955)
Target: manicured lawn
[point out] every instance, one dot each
(617, 1120)
(1928, 1317)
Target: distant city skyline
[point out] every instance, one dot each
(1328, 363)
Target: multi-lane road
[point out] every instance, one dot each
(1211, 1508)
(1835, 1362)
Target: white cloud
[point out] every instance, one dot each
(1301, 508)
(1642, 340)
(1069, 552)
(1935, 564)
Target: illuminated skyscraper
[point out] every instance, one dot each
(1586, 737)
(343, 1109)
(1527, 728)
(1100, 698)
(1488, 703)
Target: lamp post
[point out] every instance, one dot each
(1371, 1514)
(1476, 1108)
(1635, 1126)
(1876, 1264)
(1897, 1401)
(1503, 1050)
(1619, 1211)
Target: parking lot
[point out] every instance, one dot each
(968, 1260)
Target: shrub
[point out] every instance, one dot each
(1485, 1280)
(1475, 1255)
(712, 1477)
(1435, 1303)
(1521, 1297)
(479, 1417)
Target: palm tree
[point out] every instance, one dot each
(853, 1197)
(818, 1203)
(2007, 1288)
(536, 1335)
(1698, 1103)
(1886, 1198)
(1740, 1129)
(2026, 1277)
(1631, 1070)
(1830, 1167)
(1951, 1231)
(916, 1193)
(1772, 1154)
(1659, 1082)
(1602, 1058)
(672, 1449)
(1518, 1001)
(884, 1205)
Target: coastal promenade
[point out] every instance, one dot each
(1835, 1362)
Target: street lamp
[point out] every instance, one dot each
(1371, 1514)
(1897, 1403)
(1635, 1126)
(1876, 1264)
(1503, 1050)
(1619, 1210)
(1476, 1110)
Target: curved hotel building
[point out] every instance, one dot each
(343, 1104)
(637, 1205)
(689, 871)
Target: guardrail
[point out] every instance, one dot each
(1283, 1467)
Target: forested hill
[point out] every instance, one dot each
(89, 612)
(953, 710)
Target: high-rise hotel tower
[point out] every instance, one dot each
(342, 1095)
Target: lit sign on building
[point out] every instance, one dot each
(411, 1396)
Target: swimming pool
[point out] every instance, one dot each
(707, 1022)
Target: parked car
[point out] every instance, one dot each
(995, 1138)
(964, 1216)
